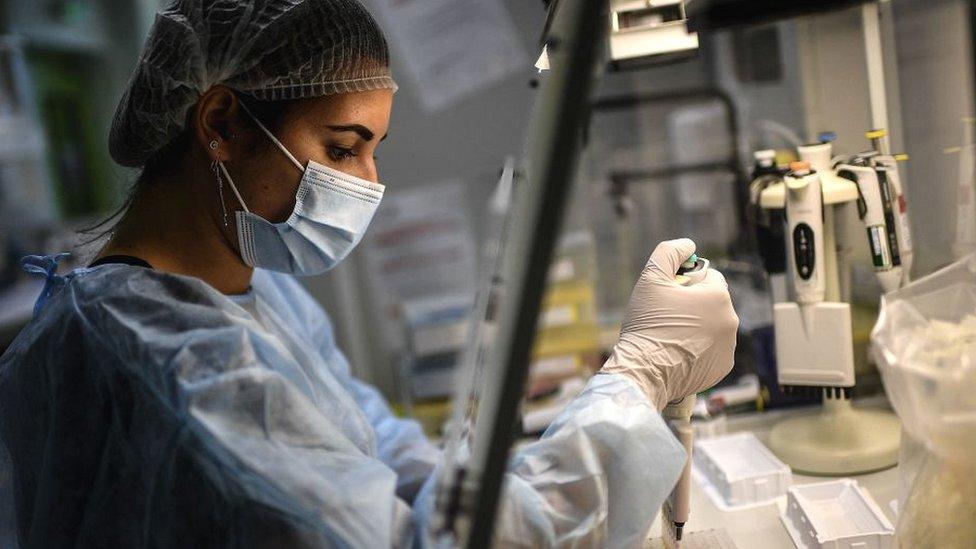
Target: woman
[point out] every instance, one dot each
(184, 390)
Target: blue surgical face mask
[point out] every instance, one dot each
(331, 214)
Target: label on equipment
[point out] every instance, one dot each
(878, 239)
(887, 203)
(804, 253)
(906, 234)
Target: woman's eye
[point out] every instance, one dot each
(339, 154)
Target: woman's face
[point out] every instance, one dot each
(341, 131)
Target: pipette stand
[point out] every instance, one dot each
(814, 348)
(837, 440)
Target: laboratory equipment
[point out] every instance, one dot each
(875, 208)
(737, 471)
(648, 31)
(882, 207)
(813, 334)
(676, 507)
(675, 341)
(768, 224)
(692, 271)
(886, 165)
(814, 340)
(814, 350)
(642, 33)
(675, 511)
(804, 217)
(837, 514)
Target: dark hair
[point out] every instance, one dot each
(163, 162)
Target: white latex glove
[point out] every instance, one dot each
(675, 340)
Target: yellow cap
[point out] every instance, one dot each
(875, 134)
(784, 157)
(901, 157)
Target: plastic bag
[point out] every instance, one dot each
(925, 346)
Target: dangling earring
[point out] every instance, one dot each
(215, 166)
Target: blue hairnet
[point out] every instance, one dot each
(269, 49)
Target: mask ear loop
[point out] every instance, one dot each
(223, 168)
(233, 187)
(220, 189)
(272, 137)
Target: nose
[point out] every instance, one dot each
(372, 173)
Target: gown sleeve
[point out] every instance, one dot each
(401, 443)
(597, 477)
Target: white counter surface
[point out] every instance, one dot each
(760, 527)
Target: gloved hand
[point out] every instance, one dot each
(675, 340)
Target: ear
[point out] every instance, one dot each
(218, 124)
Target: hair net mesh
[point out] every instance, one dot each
(270, 49)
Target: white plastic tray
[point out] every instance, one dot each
(737, 471)
(837, 514)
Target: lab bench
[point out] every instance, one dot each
(760, 527)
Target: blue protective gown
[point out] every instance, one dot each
(144, 408)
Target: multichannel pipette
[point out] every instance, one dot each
(804, 216)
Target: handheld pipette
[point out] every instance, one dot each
(874, 208)
(886, 165)
(676, 507)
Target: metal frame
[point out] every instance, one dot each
(576, 37)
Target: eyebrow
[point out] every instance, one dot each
(363, 131)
